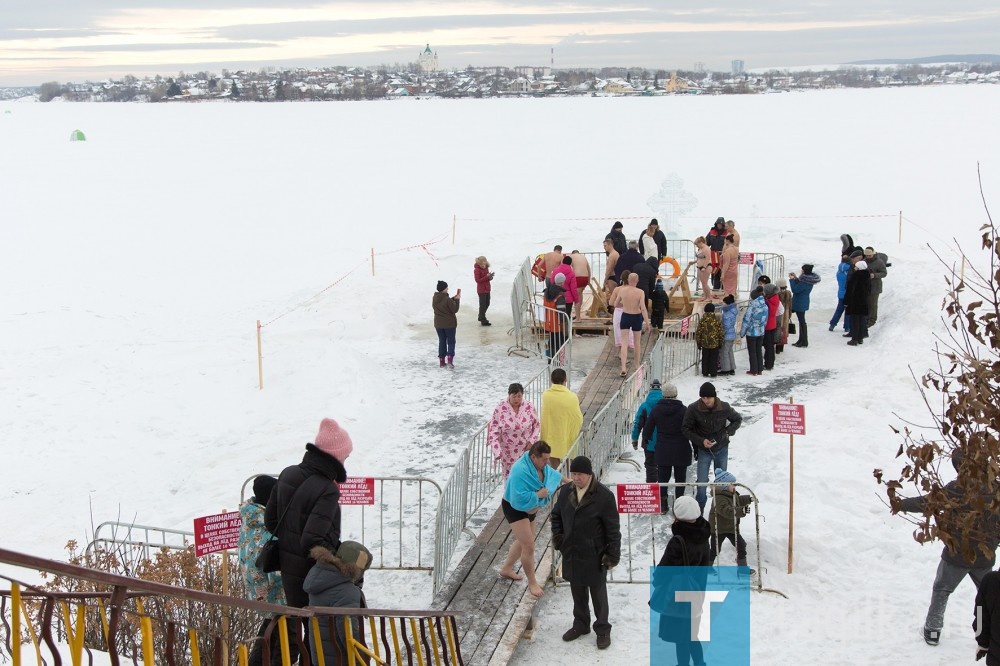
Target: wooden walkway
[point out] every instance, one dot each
(496, 613)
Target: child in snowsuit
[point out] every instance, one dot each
(709, 338)
(728, 507)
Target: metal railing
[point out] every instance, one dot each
(764, 263)
(522, 304)
(152, 539)
(640, 532)
(395, 527)
(136, 620)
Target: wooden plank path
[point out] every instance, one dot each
(495, 612)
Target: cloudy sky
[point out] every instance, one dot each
(73, 40)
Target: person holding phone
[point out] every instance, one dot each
(445, 322)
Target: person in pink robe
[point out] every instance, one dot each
(513, 428)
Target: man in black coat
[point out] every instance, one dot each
(987, 619)
(304, 508)
(587, 531)
(618, 238)
(629, 258)
(647, 271)
(856, 295)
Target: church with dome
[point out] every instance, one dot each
(428, 60)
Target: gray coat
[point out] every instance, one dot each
(331, 583)
(718, 423)
(586, 532)
(988, 533)
(876, 266)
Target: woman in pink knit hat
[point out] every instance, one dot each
(304, 508)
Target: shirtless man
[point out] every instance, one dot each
(635, 319)
(552, 260)
(609, 249)
(581, 268)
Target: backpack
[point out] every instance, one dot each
(885, 259)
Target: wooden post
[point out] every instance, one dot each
(225, 616)
(791, 492)
(260, 361)
(454, 225)
(962, 274)
(900, 227)
(373, 262)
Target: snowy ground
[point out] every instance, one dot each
(135, 266)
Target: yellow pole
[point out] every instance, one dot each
(454, 224)
(260, 361)
(286, 656)
(225, 615)
(195, 652)
(15, 623)
(900, 227)
(791, 492)
(318, 640)
(373, 262)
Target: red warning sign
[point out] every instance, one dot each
(789, 419)
(216, 533)
(358, 491)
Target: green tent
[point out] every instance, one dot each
(77, 135)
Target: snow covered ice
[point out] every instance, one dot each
(136, 264)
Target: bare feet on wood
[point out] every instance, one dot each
(535, 589)
(510, 575)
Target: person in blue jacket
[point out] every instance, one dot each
(529, 488)
(843, 272)
(727, 360)
(754, 321)
(653, 397)
(801, 286)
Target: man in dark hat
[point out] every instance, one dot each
(617, 238)
(708, 425)
(587, 531)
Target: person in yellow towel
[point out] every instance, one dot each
(561, 417)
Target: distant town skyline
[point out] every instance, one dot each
(70, 40)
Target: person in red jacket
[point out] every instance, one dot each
(483, 275)
(771, 328)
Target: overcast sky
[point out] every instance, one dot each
(75, 40)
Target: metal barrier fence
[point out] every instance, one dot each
(765, 263)
(138, 620)
(522, 304)
(151, 540)
(395, 527)
(645, 536)
(680, 350)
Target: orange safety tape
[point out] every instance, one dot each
(320, 292)
(422, 246)
(550, 219)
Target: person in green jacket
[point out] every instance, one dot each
(728, 507)
(709, 337)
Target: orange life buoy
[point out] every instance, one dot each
(672, 262)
